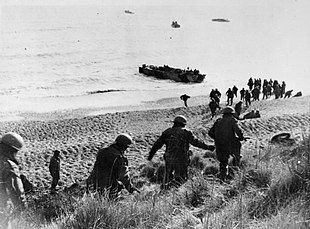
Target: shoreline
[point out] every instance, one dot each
(164, 103)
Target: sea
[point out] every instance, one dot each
(54, 57)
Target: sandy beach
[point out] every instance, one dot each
(79, 135)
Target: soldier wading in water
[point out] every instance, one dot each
(177, 140)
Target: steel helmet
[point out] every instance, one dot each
(14, 140)
(180, 119)
(124, 139)
(228, 110)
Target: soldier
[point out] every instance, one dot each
(283, 87)
(224, 133)
(235, 90)
(213, 105)
(185, 97)
(230, 96)
(54, 168)
(250, 83)
(265, 92)
(11, 186)
(247, 98)
(242, 93)
(288, 94)
(110, 172)
(238, 108)
(177, 140)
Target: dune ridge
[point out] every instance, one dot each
(80, 138)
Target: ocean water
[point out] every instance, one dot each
(51, 57)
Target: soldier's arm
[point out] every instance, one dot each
(196, 142)
(15, 188)
(157, 145)
(123, 174)
(238, 131)
(211, 132)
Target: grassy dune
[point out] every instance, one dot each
(270, 191)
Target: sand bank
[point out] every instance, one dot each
(79, 135)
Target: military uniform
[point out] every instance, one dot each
(110, 171)
(227, 144)
(11, 186)
(177, 140)
(54, 168)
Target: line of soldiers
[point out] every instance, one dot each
(268, 86)
(110, 171)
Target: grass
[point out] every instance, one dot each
(271, 193)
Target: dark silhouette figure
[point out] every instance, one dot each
(283, 86)
(242, 93)
(298, 94)
(217, 95)
(235, 90)
(247, 98)
(277, 90)
(212, 94)
(238, 108)
(255, 94)
(288, 94)
(185, 97)
(250, 83)
(213, 105)
(252, 114)
(265, 92)
(217, 92)
(230, 97)
(54, 168)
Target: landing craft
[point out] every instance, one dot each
(220, 20)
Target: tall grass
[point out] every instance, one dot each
(271, 193)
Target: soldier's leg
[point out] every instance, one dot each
(180, 173)
(236, 159)
(223, 159)
(168, 175)
(54, 182)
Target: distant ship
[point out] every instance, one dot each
(220, 20)
(128, 12)
(175, 24)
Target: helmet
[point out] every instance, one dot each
(124, 139)
(180, 119)
(228, 110)
(14, 140)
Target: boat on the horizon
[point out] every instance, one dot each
(175, 74)
(175, 24)
(128, 12)
(220, 20)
